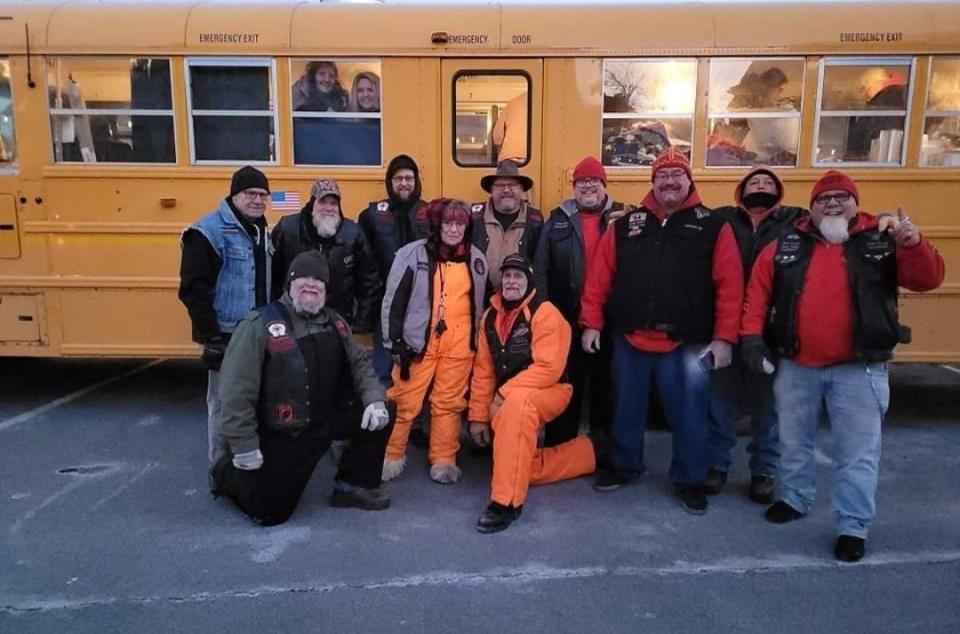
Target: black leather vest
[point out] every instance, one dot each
(664, 276)
(516, 354)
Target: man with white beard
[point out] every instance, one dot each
(293, 380)
(823, 297)
(355, 286)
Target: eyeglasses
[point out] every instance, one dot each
(404, 179)
(510, 185)
(249, 193)
(840, 197)
(588, 182)
(664, 175)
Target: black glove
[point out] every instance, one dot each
(213, 352)
(402, 351)
(754, 351)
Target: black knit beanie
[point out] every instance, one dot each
(247, 177)
(309, 264)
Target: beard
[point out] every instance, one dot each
(309, 307)
(326, 226)
(835, 229)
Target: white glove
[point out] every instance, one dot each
(590, 340)
(248, 460)
(375, 416)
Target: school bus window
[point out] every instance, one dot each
(232, 111)
(111, 110)
(863, 111)
(940, 146)
(647, 106)
(754, 112)
(8, 144)
(492, 118)
(336, 112)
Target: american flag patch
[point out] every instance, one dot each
(285, 201)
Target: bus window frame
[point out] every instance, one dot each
(234, 62)
(11, 167)
(927, 113)
(798, 115)
(652, 114)
(131, 112)
(862, 60)
(473, 72)
(335, 115)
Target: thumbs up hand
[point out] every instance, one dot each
(905, 232)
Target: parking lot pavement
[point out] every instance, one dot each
(108, 528)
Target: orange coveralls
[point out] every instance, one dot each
(446, 364)
(531, 399)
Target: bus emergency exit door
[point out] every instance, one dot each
(491, 111)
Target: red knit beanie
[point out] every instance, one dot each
(671, 157)
(590, 167)
(834, 180)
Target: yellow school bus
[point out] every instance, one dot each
(121, 123)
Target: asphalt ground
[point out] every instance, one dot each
(108, 527)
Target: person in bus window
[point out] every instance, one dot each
(319, 89)
(506, 223)
(822, 299)
(224, 274)
(725, 144)
(509, 133)
(757, 218)
(365, 94)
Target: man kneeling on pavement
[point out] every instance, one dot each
(290, 382)
(522, 347)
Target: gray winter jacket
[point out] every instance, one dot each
(408, 301)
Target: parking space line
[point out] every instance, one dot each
(950, 368)
(63, 400)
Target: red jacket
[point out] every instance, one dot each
(824, 314)
(727, 281)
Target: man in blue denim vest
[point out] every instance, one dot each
(224, 274)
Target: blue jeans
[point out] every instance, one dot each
(684, 390)
(856, 396)
(735, 391)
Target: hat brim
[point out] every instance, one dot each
(487, 181)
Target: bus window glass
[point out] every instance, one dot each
(336, 112)
(940, 146)
(232, 112)
(863, 112)
(492, 113)
(647, 106)
(754, 112)
(111, 110)
(8, 145)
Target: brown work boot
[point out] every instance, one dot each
(762, 489)
(348, 496)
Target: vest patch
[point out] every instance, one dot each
(285, 413)
(383, 206)
(635, 223)
(477, 208)
(342, 328)
(347, 261)
(479, 266)
(280, 339)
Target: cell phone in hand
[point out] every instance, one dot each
(706, 361)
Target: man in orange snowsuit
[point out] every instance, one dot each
(522, 348)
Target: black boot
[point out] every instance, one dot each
(497, 517)
(762, 489)
(781, 513)
(849, 548)
(716, 480)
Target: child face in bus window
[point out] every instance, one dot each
(325, 78)
(367, 96)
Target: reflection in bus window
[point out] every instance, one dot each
(863, 111)
(232, 110)
(111, 110)
(765, 95)
(647, 106)
(491, 123)
(940, 146)
(8, 144)
(334, 124)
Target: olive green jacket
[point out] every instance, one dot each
(240, 373)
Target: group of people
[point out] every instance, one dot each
(320, 90)
(493, 315)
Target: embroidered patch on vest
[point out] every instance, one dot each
(477, 208)
(285, 413)
(347, 261)
(280, 340)
(635, 223)
(383, 206)
(342, 327)
(702, 213)
(479, 267)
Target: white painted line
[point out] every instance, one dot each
(950, 368)
(63, 400)
(123, 487)
(76, 483)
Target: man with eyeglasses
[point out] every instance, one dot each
(568, 244)
(389, 224)
(757, 219)
(822, 299)
(506, 223)
(668, 282)
(224, 274)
